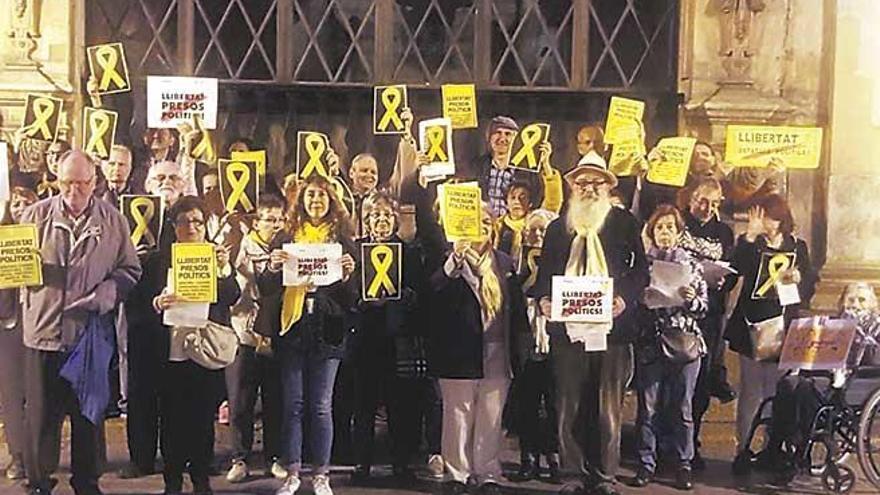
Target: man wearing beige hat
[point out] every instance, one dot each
(591, 238)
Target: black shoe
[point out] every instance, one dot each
(528, 468)
(202, 487)
(553, 469)
(684, 479)
(15, 469)
(173, 484)
(490, 488)
(605, 489)
(742, 463)
(454, 488)
(361, 474)
(642, 478)
(132, 471)
(723, 392)
(698, 463)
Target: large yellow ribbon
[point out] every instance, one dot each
(436, 139)
(43, 109)
(107, 58)
(204, 150)
(382, 257)
(142, 211)
(315, 146)
(238, 175)
(776, 266)
(532, 263)
(391, 99)
(531, 137)
(99, 124)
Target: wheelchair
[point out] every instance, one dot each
(846, 423)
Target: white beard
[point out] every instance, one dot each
(584, 215)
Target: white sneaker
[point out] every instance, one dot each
(290, 486)
(278, 471)
(435, 466)
(238, 472)
(321, 485)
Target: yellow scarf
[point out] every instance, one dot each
(295, 296)
(517, 227)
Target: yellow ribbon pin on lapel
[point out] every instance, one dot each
(239, 176)
(531, 137)
(107, 58)
(381, 257)
(391, 99)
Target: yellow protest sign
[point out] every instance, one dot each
(203, 146)
(622, 112)
(194, 266)
(673, 169)
(460, 105)
(239, 185)
(624, 152)
(99, 131)
(42, 117)
(19, 256)
(388, 103)
(757, 146)
(524, 150)
(311, 150)
(108, 66)
(258, 156)
(382, 273)
(460, 211)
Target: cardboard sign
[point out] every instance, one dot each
(4, 172)
(581, 299)
(258, 156)
(311, 153)
(145, 216)
(388, 103)
(19, 256)
(42, 117)
(817, 343)
(529, 257)
(239, 185)
(756, 146)
(460, 210)
(382, 273)
(172, 101)
(194, 266)
(630, 144)
(460, 105)
(99, 131)
(108, 66)
(673, 170)
(435, 139)
(203, 145)
(773, 266)
(622, 113)
(524, 151)
(315, 264)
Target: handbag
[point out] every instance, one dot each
(767, 337)
(213, 346)
(679, 346)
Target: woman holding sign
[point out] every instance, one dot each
(305, 307)
(189, 391)
(670, 348)
(777, 277)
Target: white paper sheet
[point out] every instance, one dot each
(667, 278)
(186, 314)
(788, 294)
(715, 271)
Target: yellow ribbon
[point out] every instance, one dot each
(239, 176)
(391, 99)
(142, 211)
(203, 151)
(382, 257)
(99, 124)
(436, 139)
(43, 109)
(315, 146)
(532, 263)
(531, 137)
(107, 57)
(776, 266)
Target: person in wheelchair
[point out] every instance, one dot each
(800, 396)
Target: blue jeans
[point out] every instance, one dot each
(660, 385)
(307, 385)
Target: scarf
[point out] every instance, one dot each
(586, 258)
(295, 296)
(490, 287)
(516, 227)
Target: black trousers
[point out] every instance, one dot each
(12, 388)
(343, 413)
(712, 370)
(536, 394)
(48, 399)
(249, 375)
(190, 396)
(145, 362)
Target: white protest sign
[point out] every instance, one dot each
(183, 313)
(582, 299)
(172, 101)
(316, 264)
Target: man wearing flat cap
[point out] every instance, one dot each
(591, 238)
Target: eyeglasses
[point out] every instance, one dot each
(585, 184)
(163, 178)
(186, 222)
(79, 184)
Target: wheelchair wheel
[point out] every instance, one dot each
(868, 441)
(839, 479)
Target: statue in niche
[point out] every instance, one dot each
(737, 35)
(24, 29)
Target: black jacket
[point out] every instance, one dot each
(326, 327)
(624, 255)
(455, 324)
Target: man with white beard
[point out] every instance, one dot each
(592, 239)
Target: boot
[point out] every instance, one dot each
(553, 468)
(528, 467)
